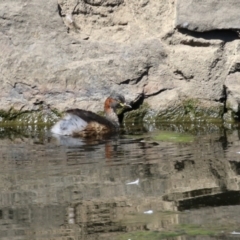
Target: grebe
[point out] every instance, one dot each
(82, 123)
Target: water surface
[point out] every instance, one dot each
(162, 181)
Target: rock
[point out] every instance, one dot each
(171, 107)
(232, 85)
(67, 73)
(196, 66)
(74, 54)
(207, 15)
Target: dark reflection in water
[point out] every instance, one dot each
(126, 187)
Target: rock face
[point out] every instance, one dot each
(205, 15)
(233, 92)
(59, 55)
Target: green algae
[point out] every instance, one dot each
(155, 235)
(178, 230)
(137, 116)
(151, 235)
(196, 110)
(9, 115)
(189, 110)
(14, 131)
(29, 117)
(165, 136)
(198, 230)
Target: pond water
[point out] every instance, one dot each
(162, 181)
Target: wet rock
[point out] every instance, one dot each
(175, 108)
(232, 85)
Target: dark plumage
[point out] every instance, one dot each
(78, 122)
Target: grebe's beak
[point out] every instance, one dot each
(125, 105)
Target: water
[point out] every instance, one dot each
(133, 186)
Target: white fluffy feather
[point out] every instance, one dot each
(68, 125)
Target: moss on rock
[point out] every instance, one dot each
(137, 116)
(29, 117)
(189, 110)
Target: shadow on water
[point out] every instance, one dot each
(162, 181)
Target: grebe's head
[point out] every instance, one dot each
(115, 100)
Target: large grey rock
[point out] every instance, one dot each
(62, 54)
(207, 15)
(43, 64)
